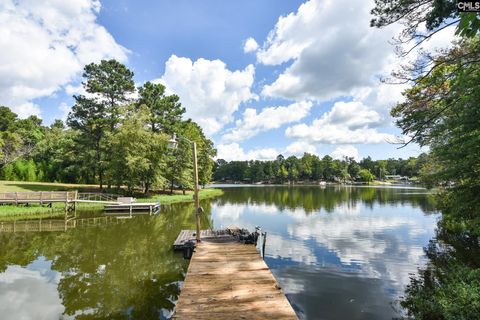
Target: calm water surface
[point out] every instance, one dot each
(338, 253)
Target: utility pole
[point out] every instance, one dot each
(195, 191)
(172, 143)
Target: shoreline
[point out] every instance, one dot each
(11, 212)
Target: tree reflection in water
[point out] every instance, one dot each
(128, 270)
(449, 286)
(312, 198)
(119, 271)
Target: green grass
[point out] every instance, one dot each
(22, 186)
(177, 198)
(35, 211)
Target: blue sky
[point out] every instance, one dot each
(260, 77)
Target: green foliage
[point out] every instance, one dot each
(137, 153)
(441, 111)
(165, 111)
(110, 138)
(110, 82)
(311, 168)
(7, 119)
(434, 14)
(449, 287)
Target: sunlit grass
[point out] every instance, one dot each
(22, 186)
(176, 198)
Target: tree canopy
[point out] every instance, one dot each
(110, 138)
(441, 112)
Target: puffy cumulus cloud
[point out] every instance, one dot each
(250, 45)
(233, 151)
(209, 91)
(26, 109)
(298, 148)
(345, 123)
(345, 151)
(333, 49)
(44, 46)
(269, 118)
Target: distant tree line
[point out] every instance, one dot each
(312, 168)
(116, 135)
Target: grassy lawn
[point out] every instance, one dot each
(21, 186)
(35, 211)
(180, 197)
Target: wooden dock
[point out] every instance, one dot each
(132, 208)
(41, 197)
(189, 235)
(229, 280)
(112, 202)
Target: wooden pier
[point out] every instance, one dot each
(112, 203)
(42, 197)
(227, 279)
(189, 235)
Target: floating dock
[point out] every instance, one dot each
(227, 279)
(132, 208)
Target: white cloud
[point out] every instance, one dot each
(269, 118)
(208, 90)
(333, 48)
(64, 111)
(441, 40)
(345, 123)
(233, 151)
(44, 46)
(345, 151)
(26, 109)
(250, 45)
(75, 90)
(298, 148)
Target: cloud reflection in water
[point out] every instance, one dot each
(353, 259)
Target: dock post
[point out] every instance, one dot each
(263, 244)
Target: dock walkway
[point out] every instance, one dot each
(112, 203)
(229, 280)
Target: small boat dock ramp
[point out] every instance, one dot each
(228, 279)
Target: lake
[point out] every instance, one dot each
(338, 252)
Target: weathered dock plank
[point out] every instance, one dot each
(189, 235)
(229, 280)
